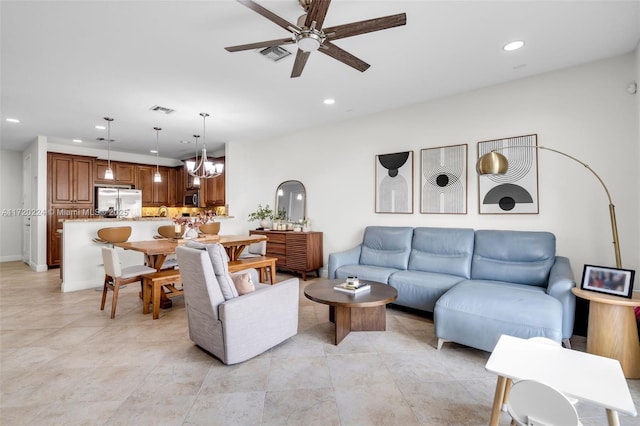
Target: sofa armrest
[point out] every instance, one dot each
(257, 321)
(561, 282)
(348, 257)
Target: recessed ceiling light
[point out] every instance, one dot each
(153, 151)
(329, 101)
(514, 45)
(99, 127)
(13, 120)
(77, 140)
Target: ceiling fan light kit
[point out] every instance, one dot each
(310, 36)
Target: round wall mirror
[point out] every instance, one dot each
(291, 201)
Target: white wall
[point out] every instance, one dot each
(584, 111)
(10, 206)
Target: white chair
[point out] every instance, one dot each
(254, 250)
(115, 276)
(509, 383)
(533, 403)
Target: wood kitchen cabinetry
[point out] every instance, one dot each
(123, 173)
(54, 238)
(212, 190)
(70, 179)
(153, 193)
(299, 252)
(69, 195)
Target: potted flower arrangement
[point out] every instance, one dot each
(263, 214)
(192, 223)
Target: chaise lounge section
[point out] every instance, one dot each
(478, 284)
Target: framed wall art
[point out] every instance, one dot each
(516, 191)
(443, 182)
(394, 182)
(614, 281)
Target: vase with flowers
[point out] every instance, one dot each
(189, 225)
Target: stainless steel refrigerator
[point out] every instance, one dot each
(119, 202)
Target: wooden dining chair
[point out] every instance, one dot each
(169, 231)
(115, 276)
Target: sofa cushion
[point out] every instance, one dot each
(513, 256)
(442, 250)
(386, 246)
(421, 290)
(476, 313)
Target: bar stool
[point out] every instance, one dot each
(212, 228)
(168, 231)
(117, 234)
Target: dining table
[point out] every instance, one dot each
(156, 251)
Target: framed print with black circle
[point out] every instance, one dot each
(602, 279)
(443, 182)
(394, 182)
(516, 191)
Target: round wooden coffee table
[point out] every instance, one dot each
(361, 312)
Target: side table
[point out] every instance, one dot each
(612, 330)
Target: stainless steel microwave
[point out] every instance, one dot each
(192, 198)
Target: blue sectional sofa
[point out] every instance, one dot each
(478, 284)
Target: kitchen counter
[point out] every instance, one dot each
(82, 257)
(135, 219)
(115, 219)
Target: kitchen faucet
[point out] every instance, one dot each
(163, 211)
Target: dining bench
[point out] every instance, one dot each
(261, 263)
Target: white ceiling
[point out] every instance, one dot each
(67, 64)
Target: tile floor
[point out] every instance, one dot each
(64, 362)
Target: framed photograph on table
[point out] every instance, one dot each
(614, 281)
(516, 191)
(443, 182)
(394, 182)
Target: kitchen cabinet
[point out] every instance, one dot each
(213, 190)
(153, 193)
(299, 252)
(123, 173)
(70, 179)
(54, 238)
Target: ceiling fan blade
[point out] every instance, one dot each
(260, 44)
(368, 26)
(343, 56)
(298, 65)
(317, 12)
(268, 14)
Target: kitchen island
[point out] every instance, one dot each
(82, 257)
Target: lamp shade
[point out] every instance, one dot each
(492, 163)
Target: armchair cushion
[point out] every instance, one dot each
(220, 262)
(243, 283)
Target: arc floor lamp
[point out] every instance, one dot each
(494, 163)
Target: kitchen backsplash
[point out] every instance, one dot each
(179, 211)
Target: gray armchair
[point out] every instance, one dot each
(234, 328)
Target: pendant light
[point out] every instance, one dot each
(157, 177)
(108, 174)
(196, 179)
(203, 168)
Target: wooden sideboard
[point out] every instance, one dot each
(299, 252)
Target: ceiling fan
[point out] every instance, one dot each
(309, 35)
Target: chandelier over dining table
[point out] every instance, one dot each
(202, 167)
